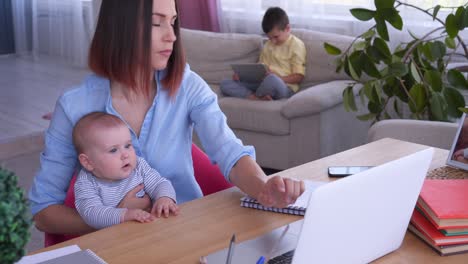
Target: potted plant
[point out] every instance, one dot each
(15, 219)
(414, 75)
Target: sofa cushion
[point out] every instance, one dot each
(259, 116)
(211, 54)
(316, 99)
(320, 66)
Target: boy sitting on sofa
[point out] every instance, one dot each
(111, 169)
(283, 54)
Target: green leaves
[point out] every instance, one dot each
(14, 218)
(382, 4)
(398, 69)
(359, 62)
(438, 107)
(414, 74)
(369, 66)
(386, 12)
(434, 80)
(434, 50)
(366, 117)
(465, 19)
(451, 25)
(454, 100)
(456, 79)
(330, 49)
(350, 69)
(392, 16)
(436, 11)
(383, 49)
(418, 96)
(459, 16)
(456, 22)
(438, 49)
(362, 14)
(348, 99)
(382, 28)
(450, 42)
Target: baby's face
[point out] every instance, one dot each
(111, 153)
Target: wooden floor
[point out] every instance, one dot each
(29, 89)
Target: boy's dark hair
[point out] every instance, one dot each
(274, 17)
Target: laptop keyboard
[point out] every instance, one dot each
(286, 258)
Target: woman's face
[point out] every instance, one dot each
(162, 36)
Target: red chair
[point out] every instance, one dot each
(208, 176)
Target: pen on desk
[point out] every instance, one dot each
(261, 260)
(231, 249)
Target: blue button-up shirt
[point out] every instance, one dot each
(165, 137)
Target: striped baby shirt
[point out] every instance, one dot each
(96, 199)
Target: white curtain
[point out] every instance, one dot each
(245, 16)
(54, 28)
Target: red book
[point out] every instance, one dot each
(434, 235)
(442, 250)
(445, 203)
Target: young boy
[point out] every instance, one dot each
(110, 170)
(283, 54)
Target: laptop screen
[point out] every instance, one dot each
(458, 156)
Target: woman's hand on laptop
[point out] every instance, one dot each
(280, 192)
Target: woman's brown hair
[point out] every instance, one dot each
(120, 53)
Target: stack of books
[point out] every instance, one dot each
(441, 216)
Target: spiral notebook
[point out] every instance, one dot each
(297, 208)
(79, 257)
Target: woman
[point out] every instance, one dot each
(141, 77)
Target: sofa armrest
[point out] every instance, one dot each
(431, 133)
(315, 99)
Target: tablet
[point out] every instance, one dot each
(458, 155)
(250, 72)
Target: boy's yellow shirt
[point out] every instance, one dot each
(285, 59)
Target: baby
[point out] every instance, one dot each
(110, 170)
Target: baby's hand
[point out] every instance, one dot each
(165, 205)
(138, 215)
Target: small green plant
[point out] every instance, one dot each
(415, 74)
(14, 218)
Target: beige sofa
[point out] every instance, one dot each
(286, 133)
(431, 133)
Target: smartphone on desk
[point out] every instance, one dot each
(342, 171)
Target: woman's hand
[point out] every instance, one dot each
(280, 192)
(131, 201)
(165, 205)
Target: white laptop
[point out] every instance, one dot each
(356, 219)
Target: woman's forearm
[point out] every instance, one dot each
(60, 219)
(248, 176)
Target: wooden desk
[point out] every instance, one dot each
(206, 225)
